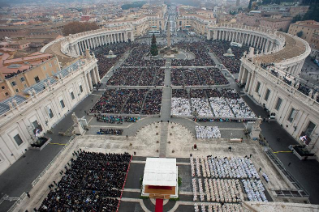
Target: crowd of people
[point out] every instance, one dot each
(139, 57)
(180, 107)
(221, 47)
(225, 103)
(111, 101)
(110, 131)
(137, 77)
(90, 182)
(207, 132)
(104, 64)
(202, 58)
(128, 101)
(213, 207)
(115, 119)
(191, 77)
(221, 180)
(201, 107)
(152, 104)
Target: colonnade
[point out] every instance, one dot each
(259, 41)
(79, 46)
(92, 77)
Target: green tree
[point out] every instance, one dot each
(250, 3)
(154, 50)
(77, 27)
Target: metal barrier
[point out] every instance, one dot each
(21, 198)
(128, 168)
(34, 182)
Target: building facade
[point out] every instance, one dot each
(48, 102)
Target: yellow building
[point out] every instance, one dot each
(10, 86)
(309, 30)
(195, 20)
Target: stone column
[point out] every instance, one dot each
(271, 46)
(93, 76)
(90, 80)
(240, 73)
(247, 81)
(96, 69)
(251, 82)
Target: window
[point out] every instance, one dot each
(35, 124)
(267, 94)
(49, 111)
(13, 83)
(22, 79)
(62, 103)
(292, 115)
(17, 90)
(311, 126)
(81, 89)
(278, 104)
(7, 94)
(3, 87)
(36, 79)
(257, 87)
(18, 139)
(72, 95)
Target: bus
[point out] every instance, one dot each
(155, 32)
(236, 44)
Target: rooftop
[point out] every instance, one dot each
(160, 172)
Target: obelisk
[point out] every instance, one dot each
(169, 34)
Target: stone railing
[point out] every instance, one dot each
(260, 31)
(290, 90)
(50, 44)
(32, 101)
(34, 182)
(301, 57)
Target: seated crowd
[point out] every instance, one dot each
(221, 180)
(91, 182)
(202, 58)
(190, 77)
(104, 63)
(110, 131)
(137, 77)
(139, 57)
(225, 103)
(129, 101)
(115, 119)
(221, 47)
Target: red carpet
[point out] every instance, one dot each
(159, 205)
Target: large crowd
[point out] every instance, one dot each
(202, 58)
(221, 180)
(91, 182)
(221, 47)
(207, 132)
(139, 57)
(137, 76)
(224, 103)
(104, 64)
(115, 119)
(129, 101)
(191, 77)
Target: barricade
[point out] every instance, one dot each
(128, 168)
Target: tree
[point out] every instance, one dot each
(154, 50)
(296, 18)
(77, 27)
(300, 33)
(250, 3)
